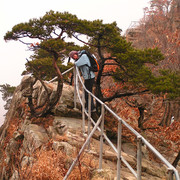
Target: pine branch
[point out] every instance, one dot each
(120, 95)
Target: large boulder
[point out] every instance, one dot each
(65, 106)
(34, 137)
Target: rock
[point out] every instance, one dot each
(24, 125)
(26, 161)
(65, 135)
(75, 140)
(67, 96)
(14, 109)
(42, 97)
(54, 134)
(51, 131)
(64, 146)
(15, 175)
(25, 82)
(148, 168)
(11, 149)
(59, 126)
(129, 148)
(126, 175)
(65, 106)
(102, 174)
(18, 136)
(64, 111)
(34, 137)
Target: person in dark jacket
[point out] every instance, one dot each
(82, 61)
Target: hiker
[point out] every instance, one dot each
(82, 61)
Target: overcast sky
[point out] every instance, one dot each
(13, 54)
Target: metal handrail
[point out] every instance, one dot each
(140, 139)
(62, 74)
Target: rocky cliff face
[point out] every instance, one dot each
(44, 148)
(21, 136)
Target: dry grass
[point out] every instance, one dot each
(49, 164)
(84, 168)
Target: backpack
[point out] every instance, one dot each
(93, 61)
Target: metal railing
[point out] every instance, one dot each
(99, 125)
(62, 74)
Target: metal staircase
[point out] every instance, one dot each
(172, 173)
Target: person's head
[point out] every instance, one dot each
(74, 55)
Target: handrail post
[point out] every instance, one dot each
(82, 149)
(101, 137)
(170, 174)
(119, 144)
(139, 157)
(89, 117)
(75, 95)
(83, 114)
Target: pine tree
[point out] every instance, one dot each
(7, 93)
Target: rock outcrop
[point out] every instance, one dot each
(22, 136)
(37, 148)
